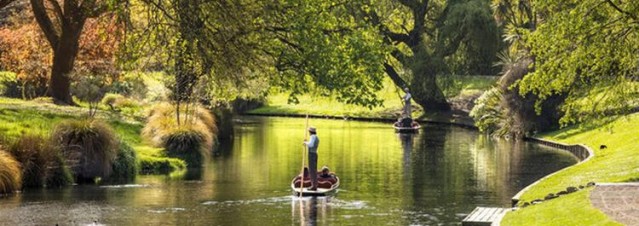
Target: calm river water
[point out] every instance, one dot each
(435, 177)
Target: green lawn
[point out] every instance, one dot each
(392, 105)
(40, 116)
(619, 162)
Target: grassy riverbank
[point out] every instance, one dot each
(617, 163)
(40, 116)
(461, 88)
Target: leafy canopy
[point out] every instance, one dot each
(586, 49)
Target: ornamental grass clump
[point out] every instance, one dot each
(10, 174)
(89, 147)
(191, 139)
(125, 165)
(42, 164)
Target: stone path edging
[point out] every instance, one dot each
(582, 152)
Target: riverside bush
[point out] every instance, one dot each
(40, 160)
(10, 174)
(90, 147)
(191, 140)
(188, 144)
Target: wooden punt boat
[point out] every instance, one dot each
(401, 129)
(319, 192)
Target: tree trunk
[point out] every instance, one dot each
(64, 55)
(427, 93)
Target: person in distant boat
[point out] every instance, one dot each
(407, 106)
(312, 145)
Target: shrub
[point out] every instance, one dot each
(89, 147)
(10, 174)
(39, 159)
(130, 85)
(9, 85)
(192, 140)
(124, 166)
(161, 122)
(188, 144)
(116, 102)
(489, 115)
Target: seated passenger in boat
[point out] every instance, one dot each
(325, 178)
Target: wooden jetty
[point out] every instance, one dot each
(484, 216)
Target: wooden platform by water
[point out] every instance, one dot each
(483, 216)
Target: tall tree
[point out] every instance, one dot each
(62, 24)
(424, 33)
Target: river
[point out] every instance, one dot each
(435, 177)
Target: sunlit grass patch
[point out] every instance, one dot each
(571, 209)
(453, 86)
(617, 162)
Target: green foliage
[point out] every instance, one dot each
(40, 160)
(489, 115)
(130, 85)
(90, 88)
(10, 174)
(125, 166)
(8, 85)
(586, 50)
(477, 52)
(89, 146)
(455, 85)
(326, 51)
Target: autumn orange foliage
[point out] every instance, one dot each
(25, 51)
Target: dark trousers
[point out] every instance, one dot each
(312, 168)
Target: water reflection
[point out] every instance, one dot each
(433, 177)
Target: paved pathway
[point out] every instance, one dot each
(620, 201)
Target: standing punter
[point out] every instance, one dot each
(312, 145)
(406, 98)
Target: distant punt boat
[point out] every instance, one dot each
(414, 128)
(329, 188)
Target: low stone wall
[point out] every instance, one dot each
(580, 151)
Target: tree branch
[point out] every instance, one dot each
(56, 8)
(392, 73)
(634, 17)
(40, 13)
(395, 37)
